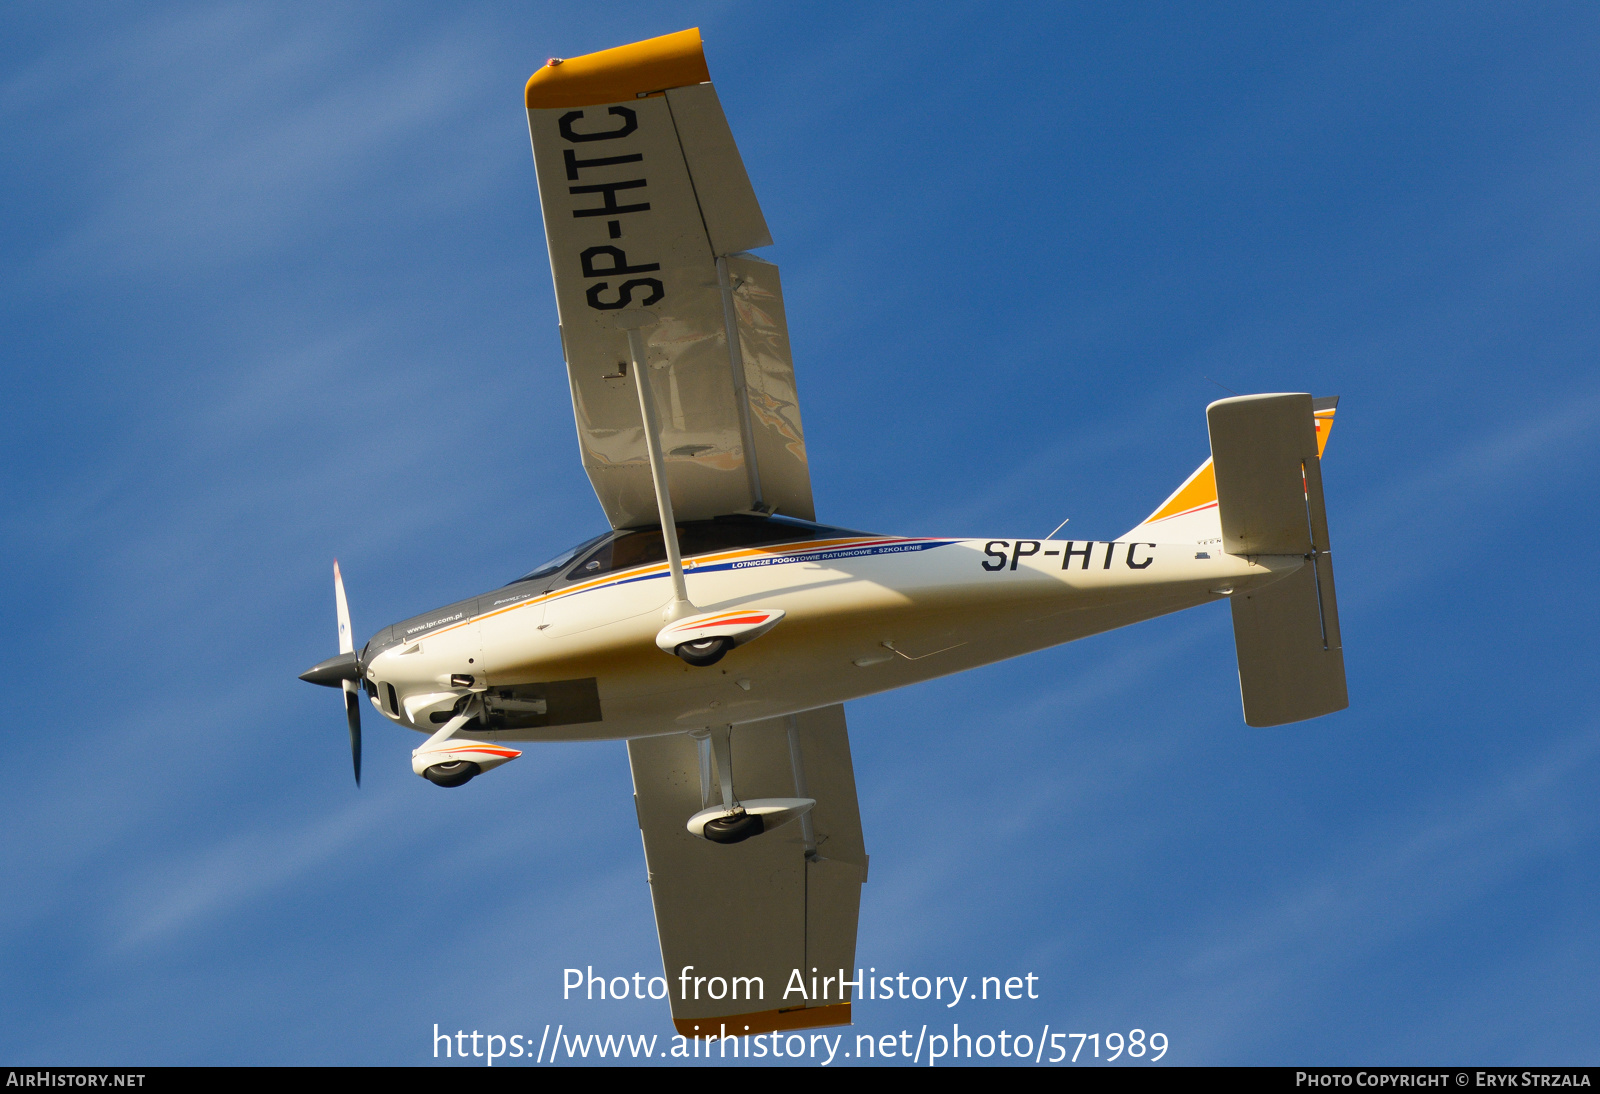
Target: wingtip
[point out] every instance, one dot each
(619, 74)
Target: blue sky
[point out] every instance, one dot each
(275, 291)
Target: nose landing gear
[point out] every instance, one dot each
(446, 761)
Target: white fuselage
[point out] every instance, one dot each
(864, 614)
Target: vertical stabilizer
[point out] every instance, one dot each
(1268, 475)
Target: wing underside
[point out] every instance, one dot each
(647, 205)
(739, 923)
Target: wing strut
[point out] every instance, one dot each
(634, 321)
(700, 638)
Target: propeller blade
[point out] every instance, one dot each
(347, 642)
(352, 713)
(352, 695)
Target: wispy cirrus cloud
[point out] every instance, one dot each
(220, 133)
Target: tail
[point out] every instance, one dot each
(1189, 515)
(1261, 494)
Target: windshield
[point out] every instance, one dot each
(555, 564)
(629, 547)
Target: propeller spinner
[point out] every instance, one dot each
(343, 671)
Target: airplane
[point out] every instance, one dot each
(717, 627)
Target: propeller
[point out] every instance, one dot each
(352, 700)
(343, 671)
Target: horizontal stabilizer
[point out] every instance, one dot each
(1189, 515)
(1286, 674)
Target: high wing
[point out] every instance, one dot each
(769, 907)
(647, 205)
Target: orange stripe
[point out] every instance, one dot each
(723, 617)
(727, 622)
(1184, 512)
(659, 567)
(1324, 423)
(721, 556)
(1200, 489)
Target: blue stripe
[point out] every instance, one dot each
(825, 555)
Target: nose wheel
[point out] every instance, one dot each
(452, 774)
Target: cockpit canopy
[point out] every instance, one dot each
(628, 547)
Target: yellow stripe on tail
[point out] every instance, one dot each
(1190, 513)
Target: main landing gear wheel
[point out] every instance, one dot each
(452, 774)
(704, 652)
(734, 829)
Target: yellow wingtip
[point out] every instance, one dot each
(617, 75)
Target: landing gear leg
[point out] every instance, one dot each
(722, 749)
(807, 832)
(633, 323)
(702, 740)
(733, 821)
(734, 825)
